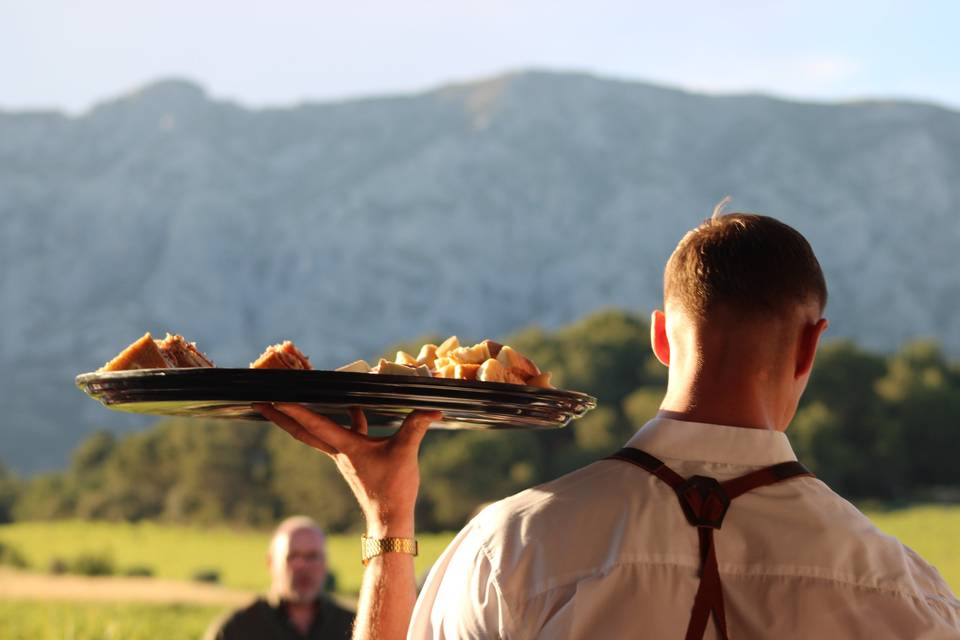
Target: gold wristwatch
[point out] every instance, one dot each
(373, 547)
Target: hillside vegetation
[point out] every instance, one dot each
(873, 427)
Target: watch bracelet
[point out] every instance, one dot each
(373, 547)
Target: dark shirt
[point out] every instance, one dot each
(267, 620)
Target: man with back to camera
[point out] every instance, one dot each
(703, 526)
(295, 607)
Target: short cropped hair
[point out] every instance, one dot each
(745, 263)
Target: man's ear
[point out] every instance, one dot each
(807, 346)
(658, 337)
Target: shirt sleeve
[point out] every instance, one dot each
(461, 598)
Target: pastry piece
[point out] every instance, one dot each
(511, 377)
(440, 363)
(466, 371)
(494, 347)
(357, 366)
(476, 354)
(492, 371)
(427, 355)
(180, 353)
(393, 369)
(405, 358)
(424, 371)
(487, 361)
(284, 355)
(517, 362)
(542, 380)
(447, 345)
(446, 371)
(142, 354)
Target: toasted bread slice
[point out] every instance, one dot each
(142, 354)
(284, 355)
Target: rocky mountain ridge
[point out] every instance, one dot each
(474, 209)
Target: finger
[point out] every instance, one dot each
(320, 426)
(292, 427)
(358, 421)
(415, 426)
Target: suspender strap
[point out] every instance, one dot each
(653, 465)
(762, 477)
(705, 502)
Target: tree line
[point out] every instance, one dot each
(873, 426)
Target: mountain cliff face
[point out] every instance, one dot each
(472, 209)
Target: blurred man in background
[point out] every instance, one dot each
(296, 606)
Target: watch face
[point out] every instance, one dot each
(228, 394)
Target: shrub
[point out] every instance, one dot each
(58, 566)
(138, 571)
(92, 564)
(206, 574)
(11, 556)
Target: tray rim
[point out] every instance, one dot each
(124, 390)
(376, 379)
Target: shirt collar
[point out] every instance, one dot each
(722, 444)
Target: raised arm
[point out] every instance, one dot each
(384, 476)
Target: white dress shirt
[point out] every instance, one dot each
(605, 552)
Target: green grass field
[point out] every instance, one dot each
(50, 620)
(177, 552)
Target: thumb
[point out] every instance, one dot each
(415, 426)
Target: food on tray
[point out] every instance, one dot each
(284, 355)
(147, 353)
(180, 353)
(357, 366)
(486, 361)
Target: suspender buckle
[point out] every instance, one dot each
(704, 502)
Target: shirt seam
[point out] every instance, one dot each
(494, 581)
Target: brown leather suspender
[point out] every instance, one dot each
(705, 502)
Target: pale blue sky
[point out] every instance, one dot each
(69, 55)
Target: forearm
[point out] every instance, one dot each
(384, 477)
(388, 593)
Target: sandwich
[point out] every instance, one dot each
(284, 355)
(170, 353)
